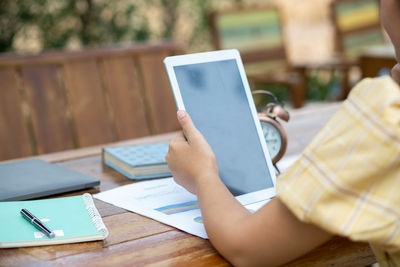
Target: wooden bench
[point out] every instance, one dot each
(64, 100)
(357, 27)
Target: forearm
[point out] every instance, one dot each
(271, 236)
(221, 212)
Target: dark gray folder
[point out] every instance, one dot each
(33, 178)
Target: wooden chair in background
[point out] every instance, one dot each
(357, 27)
(359, 36)
(64, 100)
(257, 32)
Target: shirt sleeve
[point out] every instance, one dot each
(347, 181)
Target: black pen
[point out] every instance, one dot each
(37, 223)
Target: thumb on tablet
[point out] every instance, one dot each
(187, 125)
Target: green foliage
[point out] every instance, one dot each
(321, 88)
(196, 10)
(90, 22)
(58, 24)
(9, 24)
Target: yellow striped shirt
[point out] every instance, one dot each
(347, 181)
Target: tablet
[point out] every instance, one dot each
(212, 87)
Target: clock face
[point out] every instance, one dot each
(272, 137)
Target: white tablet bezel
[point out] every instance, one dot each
(171, 62)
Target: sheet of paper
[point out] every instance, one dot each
(165, 201)
(286, 162)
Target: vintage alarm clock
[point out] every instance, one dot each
(274, 134)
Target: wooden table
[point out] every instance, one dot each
(135, 240)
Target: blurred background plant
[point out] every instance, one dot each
(36, 25)
(51, 24)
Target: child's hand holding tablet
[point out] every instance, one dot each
(212, 87)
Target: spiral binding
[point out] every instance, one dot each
(94, 214)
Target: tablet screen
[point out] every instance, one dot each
(215, 98)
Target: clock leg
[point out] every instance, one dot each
(277, 169)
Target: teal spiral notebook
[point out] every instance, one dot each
(72, 219)
(138, 161)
